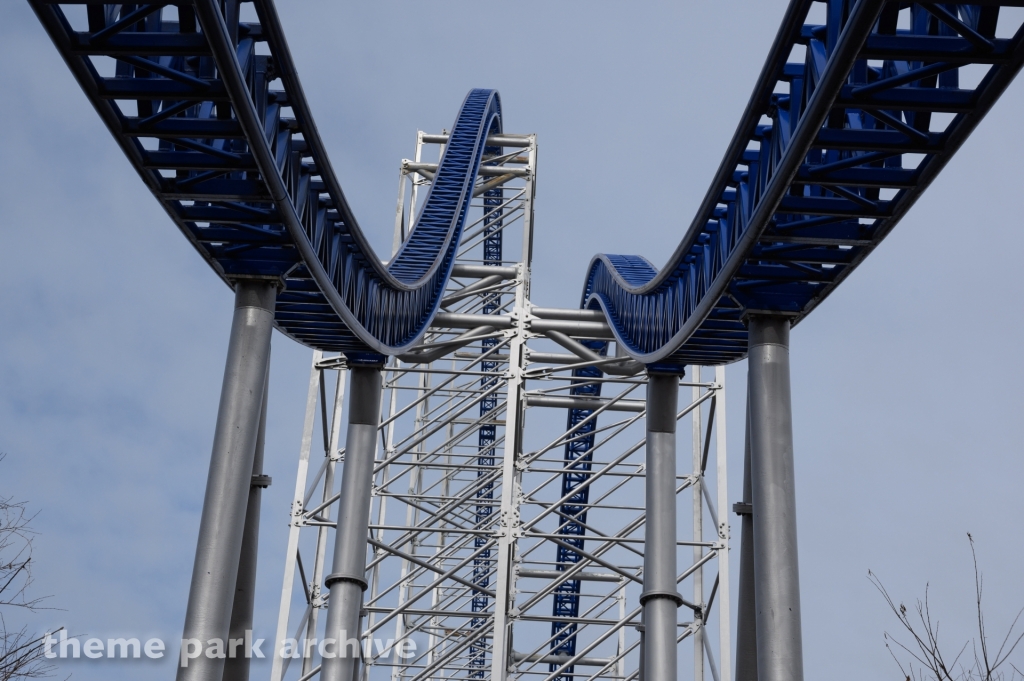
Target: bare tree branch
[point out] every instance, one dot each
(21, 655)
(927, 660)
(21, 652)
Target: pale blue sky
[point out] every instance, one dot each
(906, 382)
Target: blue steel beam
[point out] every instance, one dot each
(578, 458)
(224, 138)
(815, 176)
(484, 564)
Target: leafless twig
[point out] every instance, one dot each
(21, 652)
(927, 660)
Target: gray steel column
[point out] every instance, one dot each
(641, 674)
(236, 668)
(222, 527)
(347, 580)
(746, 625)
(660, 598)
(773, 495)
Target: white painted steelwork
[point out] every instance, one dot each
(445, 528)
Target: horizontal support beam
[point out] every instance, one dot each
(189, 128)
(569, 314)
(562, 659)
(813, 240)
(481, 271)
(581, 576)
(836, 207)
(194, 160)
(894, 141)
(492, 140)
(949, 49)
(154, 88)
(486, 171)
(551, 357)
(477, 355)
(909, 99)
(142, 43)
(582, 329)
(857, 177)
(560, 402)
(459, 320)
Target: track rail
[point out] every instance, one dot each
(814, 177)
(578, 456)
(221, 133)
(818, 172)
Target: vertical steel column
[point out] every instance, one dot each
(660, 598)
(505, 583)
(746, 611)
(724, 590)
(347, 581)
(698, 530)
(332, 454)
(641, 674)
(295, 523)
(236, 667)
(773, 495)
(509, 530)
(222, 526)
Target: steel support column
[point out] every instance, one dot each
(222, 526)
(347, 580)
(776, 575)
(746, 611)
(504, 601)
(660, 598)
(236, 668)
(698, 531)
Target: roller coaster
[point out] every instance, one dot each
(495, 550)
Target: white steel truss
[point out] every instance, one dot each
(498, 551)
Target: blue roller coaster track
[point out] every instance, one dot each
(578, 459)
(252, 188)
(829, 154)
(813, 179)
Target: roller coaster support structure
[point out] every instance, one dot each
(849, 122)
(347, 582)
(660, 599)
(237, 668)
(223, 524)
(496, 551)
(746, 610)
(776, 573)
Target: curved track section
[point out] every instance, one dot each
(830, 153)
(579, 458)
(210, 112)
